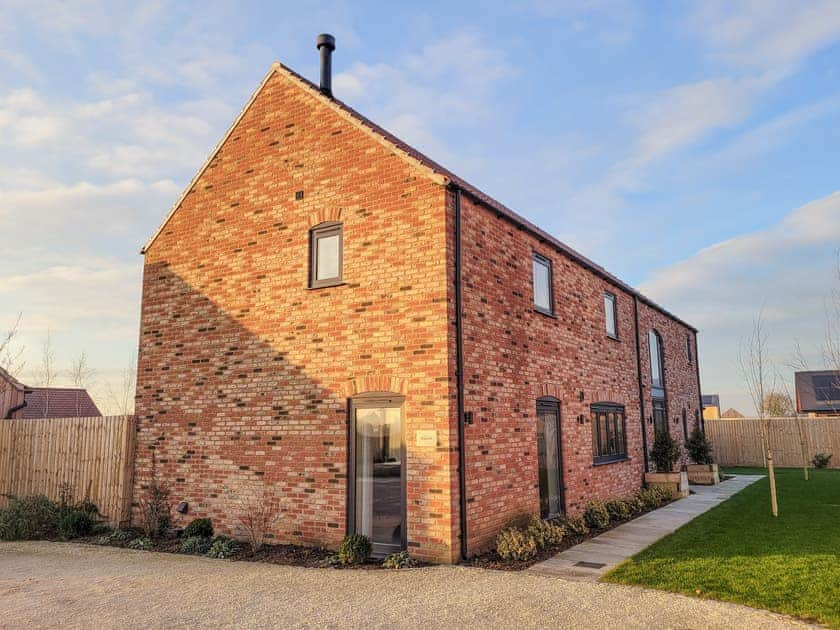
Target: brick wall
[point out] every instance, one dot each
(514, 355)
(244, 372)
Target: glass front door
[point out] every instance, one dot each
(379, 476)
(549, 457)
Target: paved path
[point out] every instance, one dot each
(588, 561)
(62, 585)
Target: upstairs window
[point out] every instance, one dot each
(657, 379)
(543, 301)
(326, 256)
(688, 348)
(611, 315)
(609, 440)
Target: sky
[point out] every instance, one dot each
(690, 148)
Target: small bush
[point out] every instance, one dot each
(821, 460)
(618, 510)
(195, 544)
(576, 526)
(223, 547)
(665, 452)
(202, 527)
(400, 560)
(141, 544)
(515, 544)
(29, 518)
(154, 509)
(655, 496)
(698, 447)
(354, 549)
(595, 515)
(634, 504)
(546, 533)
(75, 523)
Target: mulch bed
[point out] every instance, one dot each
(492, 560)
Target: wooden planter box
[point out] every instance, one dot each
(676, 481)
(703, 474)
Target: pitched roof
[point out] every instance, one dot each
(731, 413)
(5, 376)
(59, 402)
(818, 391)
(448, 178)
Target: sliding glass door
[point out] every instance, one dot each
(379, 473)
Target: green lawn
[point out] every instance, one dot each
(738, 552)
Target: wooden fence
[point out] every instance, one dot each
(93, 457)
(737, 442)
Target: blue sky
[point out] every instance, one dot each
(691, 148)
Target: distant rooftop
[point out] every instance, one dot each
(59, 402)
(818, 391)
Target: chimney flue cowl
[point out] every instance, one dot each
(326, 44)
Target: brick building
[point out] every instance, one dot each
(307, 305)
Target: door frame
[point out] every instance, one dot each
(375, 400)
(550, 404)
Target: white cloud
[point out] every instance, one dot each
(786, 269)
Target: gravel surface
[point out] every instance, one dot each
(69, 585)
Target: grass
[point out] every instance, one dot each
(737, 552)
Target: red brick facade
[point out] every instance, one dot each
(245, 373)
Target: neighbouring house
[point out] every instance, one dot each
(20, 401)
(335, 322)
(818, 392)
(731, 414)
(711, 406)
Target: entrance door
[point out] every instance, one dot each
(379, 474)
(550, 458)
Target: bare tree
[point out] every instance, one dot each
(46, 373)
(760, 380)
(258, 509)
(831, 346)
(11, 352)
(798, 363)
(80, 371)
(121, 399)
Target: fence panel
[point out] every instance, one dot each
(737, 441)
(94, 457)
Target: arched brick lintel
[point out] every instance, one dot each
(377, 383)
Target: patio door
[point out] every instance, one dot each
(378, 470)
(549, 457)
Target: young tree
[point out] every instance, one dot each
(80, 371)
(11, 352)
(831, 346)
(779, 405)
(121, 399)
(759, 379)
(46, 372)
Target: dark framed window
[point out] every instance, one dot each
(609, 438)
(549, 457)
(543, 297)
(657, 366)
(660, 417)
(326, 256)
(685, 424)
(688, 348)
(611, 314)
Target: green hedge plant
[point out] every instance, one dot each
(821, 460)
(595, 515)
(665, 452)
(354, 549)
(202, 527)
(698, 446)
(515, 544)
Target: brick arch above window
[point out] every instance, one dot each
(377, 383)
(325, 215)
(550, 390)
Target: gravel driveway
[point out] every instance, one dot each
(67, 585)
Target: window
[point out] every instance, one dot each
(688, 348)
(685, 424)
(549, 457)
(609, 441)
(326, 255)
(542, 284)
(611, 315)
(660, 418)
(657, 380)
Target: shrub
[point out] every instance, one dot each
(195, 544)
(546, 533)
(576, 526)
(665, 452)
(655, 496)
(75, 523)
(618, 510)
(223, 547)
(400, 560)
(154, 508)
(595, 515)
(515, 544)
(634, 504)
(354, 549)
(29, 518)
(201, 527)
(258, 510)
(821, 460)
(141, 544)
(698, 447)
